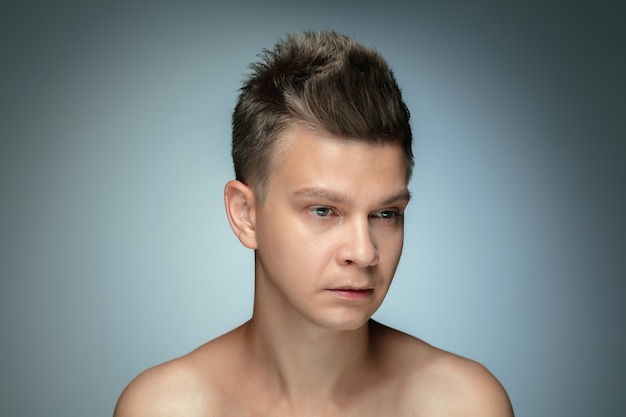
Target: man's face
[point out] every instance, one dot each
(330, 231)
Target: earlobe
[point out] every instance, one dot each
(240, 204)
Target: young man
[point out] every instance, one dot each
(322, 155)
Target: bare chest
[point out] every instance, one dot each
(258, 404)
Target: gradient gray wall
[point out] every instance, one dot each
(115, 250)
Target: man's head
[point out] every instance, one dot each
(324, 82)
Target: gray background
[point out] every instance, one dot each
(115, 250)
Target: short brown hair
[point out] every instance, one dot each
(325, 81)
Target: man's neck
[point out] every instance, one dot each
(305, 363)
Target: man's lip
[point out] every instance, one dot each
(351, 292)
(350, 288)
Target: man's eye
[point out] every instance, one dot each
(387, 214)
(321, 211)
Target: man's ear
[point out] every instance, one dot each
(240, 208)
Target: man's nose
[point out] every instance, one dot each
(359, 245)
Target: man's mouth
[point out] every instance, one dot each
(352, 293)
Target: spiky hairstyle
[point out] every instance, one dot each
(325, 81)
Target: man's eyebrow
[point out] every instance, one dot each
(401, 196)
(319, 194)
(327, 195)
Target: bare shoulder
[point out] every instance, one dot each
(162, 390)
(465, 388)
(436, 382)
(187, 386)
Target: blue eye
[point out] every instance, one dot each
(387, 214)
(321, 211)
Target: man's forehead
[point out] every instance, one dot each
(317, 166)
(299, 133)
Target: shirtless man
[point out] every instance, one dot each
(322, 155)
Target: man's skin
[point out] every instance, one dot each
(327, 240)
